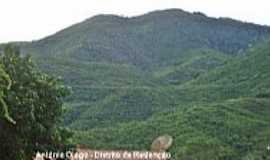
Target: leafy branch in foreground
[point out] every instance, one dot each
(5, 84)
(34, 100)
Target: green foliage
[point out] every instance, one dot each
(222, 114)
(167, 72)
(191, 65)
(5, 84)
(34, 101)
(106, 57)
(148, 41)
(244, 76)
(122, 105)
(227, 130)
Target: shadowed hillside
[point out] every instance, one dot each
(222, 114)
(202, 80)
(150, 40)
(110, 61)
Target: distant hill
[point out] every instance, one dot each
(113, 62)
(203, 80)
(154, 39)
(222, 114)
(110, 60)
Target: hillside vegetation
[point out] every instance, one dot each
(226, 116)
(202, 80)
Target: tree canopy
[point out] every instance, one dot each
(31, 107)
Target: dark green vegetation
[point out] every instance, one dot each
(204, 81)
(223, 114)
(31, 108)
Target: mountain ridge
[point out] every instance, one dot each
(199, 79)
(172, 29)
(158, 49)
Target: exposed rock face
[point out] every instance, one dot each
(162, 143)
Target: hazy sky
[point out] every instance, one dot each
(22, 20)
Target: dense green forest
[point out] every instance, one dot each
(204, 81)
(222, 114)
(31, 108)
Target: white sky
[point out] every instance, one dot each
(24, 20)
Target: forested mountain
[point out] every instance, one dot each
(203, 80)
(117, 66)
(222, 114)
(154, 39)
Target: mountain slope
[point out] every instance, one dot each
(111, 61)
(196, 78)
(244, 76)
(233, 129)
(223, 124)
(190, 65)
(153, 39)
